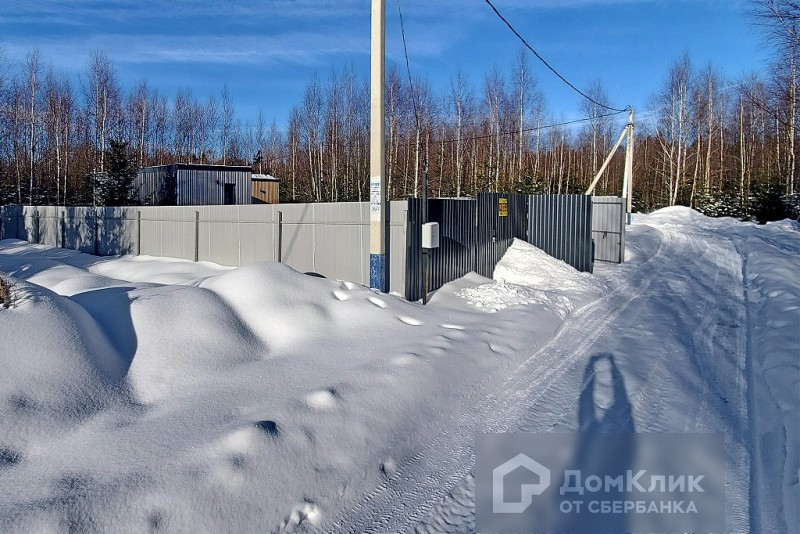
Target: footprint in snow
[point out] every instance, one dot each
(324, 399)
(268, 427)
(388, 467)
(349, 285)
(406, 360)
(380, 303)
(409, 320)
(308, 512)
(499, 349)
(340, 295)
(452, 326)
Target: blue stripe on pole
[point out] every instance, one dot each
(376, 271)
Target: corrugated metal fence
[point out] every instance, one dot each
(9, 221)
(473, 236)
(501, 218)
(608, 229)
(561, 225)
(330, 239)
(456, 254)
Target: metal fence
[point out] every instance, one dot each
(608, 229)
(561, 225)
(331, 239)
(456, 254)
(473, 236)
(9, 221)
(501, 218)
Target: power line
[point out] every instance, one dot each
(408, 67)
(535, 129)
(285, 155)
(546, 64)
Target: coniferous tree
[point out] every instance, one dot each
(116, 187)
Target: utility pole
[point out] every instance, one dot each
(377, 156)
(627, 188)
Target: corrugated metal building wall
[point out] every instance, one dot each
(194, 185)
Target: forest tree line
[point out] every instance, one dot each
(723, 146)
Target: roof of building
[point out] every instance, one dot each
(265, 178)
(203, 166)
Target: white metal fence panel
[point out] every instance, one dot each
(329, 239)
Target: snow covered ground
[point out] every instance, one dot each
(145, 394)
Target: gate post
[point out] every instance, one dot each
(196, 236)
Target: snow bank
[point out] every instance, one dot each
(58, 366)
(527, 275)
(49, 266)
(525, 265)
(500, 295)
(250, 399)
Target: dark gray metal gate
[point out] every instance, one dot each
(474, 235)
(561, 225)
(501, 218)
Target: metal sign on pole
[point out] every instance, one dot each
(377, 156)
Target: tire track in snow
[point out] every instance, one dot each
(760, 520)
(427, 477)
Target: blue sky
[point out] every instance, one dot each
(265, 50)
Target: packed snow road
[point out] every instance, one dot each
(147, 394)
(670, 349)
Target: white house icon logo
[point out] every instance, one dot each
(527, 491)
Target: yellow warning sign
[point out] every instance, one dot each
(502, 207)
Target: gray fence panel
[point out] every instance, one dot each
(10, 217)
(398, 224)
(608, 228)
(329, 239)
(560, 225)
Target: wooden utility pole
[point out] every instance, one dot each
(377, 156)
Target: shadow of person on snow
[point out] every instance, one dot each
(606, 444)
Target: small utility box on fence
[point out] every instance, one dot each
(430, 240)
(430, 235)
